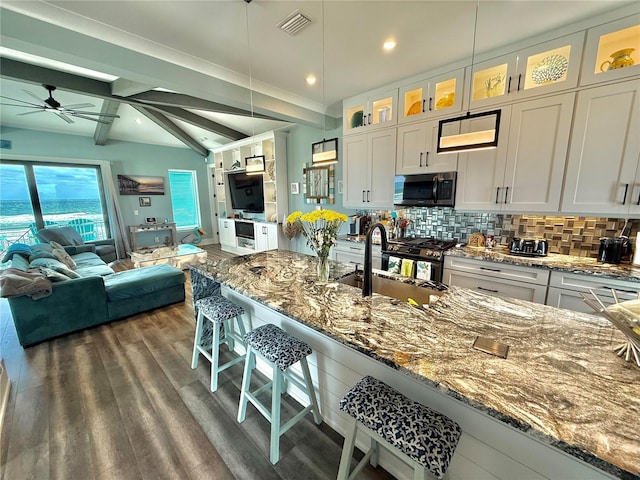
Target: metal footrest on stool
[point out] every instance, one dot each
(424, 438)
(279, 350)
(221, 312)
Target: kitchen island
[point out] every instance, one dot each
(561, 405)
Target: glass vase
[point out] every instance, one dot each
(322, 268)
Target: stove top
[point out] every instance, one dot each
(426, 247)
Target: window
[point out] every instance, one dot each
(35, 195)
(183, 185)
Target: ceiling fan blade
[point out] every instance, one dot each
(109, 115)
(79, 105)
(92, 119)
(33, 95)
(37, 110)
(63, 116)
(28, 104)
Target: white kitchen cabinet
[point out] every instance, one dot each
(370, 111)
(369, 166)
(601, 175)
(266, 236)
(227, 230)
(525, 172)
(544, 68)
(606, 51)
(498, 279)
(566, 289)
(417, 149)
(435, 96)
(352, 252)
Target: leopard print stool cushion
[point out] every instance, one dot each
(277, 346)
(218, 308)
(426, 436)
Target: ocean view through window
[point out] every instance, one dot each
(33, 196)
(184, 198)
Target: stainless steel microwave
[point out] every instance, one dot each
(425, 190)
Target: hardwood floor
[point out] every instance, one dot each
(120, 401)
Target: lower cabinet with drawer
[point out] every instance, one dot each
(352, 252)
(499, 279)
(566, 289)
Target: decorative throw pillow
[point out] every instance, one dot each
(53, 275)
(41, 250)
(21, 248)
(65, 271)
(61, 254)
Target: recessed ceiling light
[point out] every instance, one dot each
(389, 45)
(311, 79)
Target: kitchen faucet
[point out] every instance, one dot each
(368, 269)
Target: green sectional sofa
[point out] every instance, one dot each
(97, 295)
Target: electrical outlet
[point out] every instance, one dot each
(157, 239)
(135, 212)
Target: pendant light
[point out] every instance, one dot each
(481, 139)
(254, 164)
(326, 151)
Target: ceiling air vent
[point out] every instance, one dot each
(294, 22)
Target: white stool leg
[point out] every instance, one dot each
(276, 391)
(311, 391)
(347, 451)
(249, 362)
(374, 453)
(419, 472)
(227, 325)
(215, 356)
(196, 341)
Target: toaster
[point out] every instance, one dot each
(529, 247)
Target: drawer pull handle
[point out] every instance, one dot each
(421, 159)
(491, 269)
(497, 193)
(487, 290)
(626, 190)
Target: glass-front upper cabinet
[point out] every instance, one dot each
(369, 111)
(431, 97)
(612, 51)
(543, 68)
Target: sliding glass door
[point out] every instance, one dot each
(35, 195)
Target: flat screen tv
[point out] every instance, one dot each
(246, 192)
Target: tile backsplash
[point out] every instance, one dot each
(569, 235)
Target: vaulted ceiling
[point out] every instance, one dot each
(203, 73)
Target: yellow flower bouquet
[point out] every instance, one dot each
(320, 228)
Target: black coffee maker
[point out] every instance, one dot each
(612, 250)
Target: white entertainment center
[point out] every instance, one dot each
(249, 232)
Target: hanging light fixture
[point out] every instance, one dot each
(485, 134)
(326, 151)
(254, 164)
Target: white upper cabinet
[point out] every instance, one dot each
(432, 97)
(602, 166)
(548, 67)
(417, 149)
(524, 173)
(369, 164)
(370, 111)
(612, 51)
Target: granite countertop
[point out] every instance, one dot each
(561, 383)
(553, 261)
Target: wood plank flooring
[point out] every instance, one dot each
(120, 401)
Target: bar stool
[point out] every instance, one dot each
(279, 350)
(422, 437)
(221, 312)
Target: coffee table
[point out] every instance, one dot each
(182, 256)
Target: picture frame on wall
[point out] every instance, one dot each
(140, 185)
(151, 220)
(295, 188)
(145, 201)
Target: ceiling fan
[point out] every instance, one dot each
(64, 112)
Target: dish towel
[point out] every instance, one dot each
(407, 267)
(394, 265)
(423, 270)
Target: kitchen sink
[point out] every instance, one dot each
(392, 288)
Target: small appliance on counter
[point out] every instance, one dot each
(359, 224)
(529, 247)
(612, 250)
